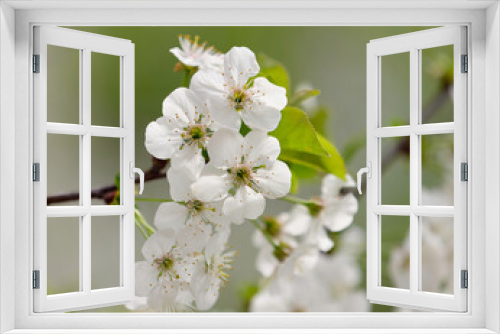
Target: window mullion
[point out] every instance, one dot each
(414, 169)
(85, 236)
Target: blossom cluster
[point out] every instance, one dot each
(305, 255)
(217, 176)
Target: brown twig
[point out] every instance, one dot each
(107, 193)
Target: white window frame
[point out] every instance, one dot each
(85, 44)
(16, 21)
(413, 44)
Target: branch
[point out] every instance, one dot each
(107, 193)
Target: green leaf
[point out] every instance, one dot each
(274, 71)
(296, 133)
(319, 119)
(334, 164)
(302, 95)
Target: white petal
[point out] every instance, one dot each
(210, 85)
(158, 244)
(212, 188)
(190, 158)
(246, 203)
(163, 298)
(240, 64)
(192, 238)
(213, 213)
(206, 292)
(264, 112)
(339, 214)
(146, 277)
(171, 215)
(225, 148)
(224, 115)
(330, 187)
(298, 222)
(181, 106)
(259, 149)
(161, 139)
(217, 243)
(180, 180)
(266, 262)
(274, 182)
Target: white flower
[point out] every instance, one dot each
(168, 268)
(338, 209)
(211, 273)
(242, 171)
(335, 211)
(187, 208)
(283, 230)
(183, 130)
(197, 55)
(233, 98)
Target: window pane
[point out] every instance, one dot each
(437, 169)
(63, 167)
(105, 165)
(395, 251)
(105, 252)
(63, 85)
(63, 255)
(395, 93)
(437, 254)
(105, 90)
(395, 161)
(437, 84)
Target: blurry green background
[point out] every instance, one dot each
(332, 59)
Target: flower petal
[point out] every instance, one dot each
(298, 221)
(240, 64)
(181, 106)
(217, 243)
(274, 182)
(212, 188)
(180, 180)
(146, 277)
(171, 215)
(259, 149)
(266, 262)
(189, 157)
(339, 214)
(267, 101)
(158, 244)
(225, 148)
(192, 238)
(161, 139)
(246, 203)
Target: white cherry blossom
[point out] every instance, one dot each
(242, 172)
(191, 53)
(212, 271)
(284, 229)
(234, 98)
(164, 276)
(183, 131)
(187, 209)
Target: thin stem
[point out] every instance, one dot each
(267, 236)
(187, 78)
(140, 199)
(297, 200)
(142, 221)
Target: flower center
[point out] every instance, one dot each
(239, 99)
(194, 132)
(282, 251)
(272, 226)
(220, 265)
(165, 265)
(242, 174)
